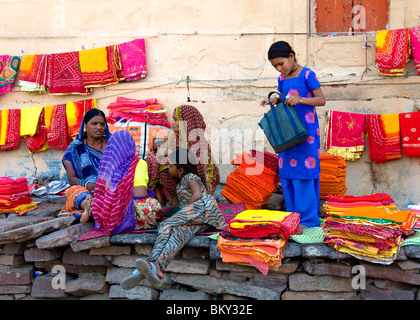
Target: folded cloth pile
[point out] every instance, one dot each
(258, 238)
(15, 196)
(370, 232)
(332, 179)
(415, 209)
(255, 179)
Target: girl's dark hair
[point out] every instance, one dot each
(93, 113)
(280, 49)
(184, 159)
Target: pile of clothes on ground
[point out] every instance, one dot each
(367, 227)
(258, 238)
(332, 179)
(255, 179)
(15, 196)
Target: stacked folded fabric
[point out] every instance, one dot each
(332, 180)
(258, 238)
(415, 209)
(15, 196)
(368, 230)
(255, 179)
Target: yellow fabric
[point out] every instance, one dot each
(141, 177)
(257, 217)
(4, 125)
(27, 63)
(93, 60)
(29, 120)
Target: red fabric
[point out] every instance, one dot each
(13, 131)
(410, 133)
(38, 140)
(59, 137)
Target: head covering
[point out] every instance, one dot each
(85, 159)
(191, 136)
(112, 206)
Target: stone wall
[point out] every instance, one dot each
(40, 258)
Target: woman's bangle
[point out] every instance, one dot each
(301, 101)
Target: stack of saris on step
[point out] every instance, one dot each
(258, 238)
(368, 227)
(392, 51)
(383, 132)
(415, 209)
(15, 196)
(332, 180)
(254, 180)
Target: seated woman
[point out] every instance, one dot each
(188, 128)
(81, 161)
(122, 200)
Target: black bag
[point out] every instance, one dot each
(282, 126)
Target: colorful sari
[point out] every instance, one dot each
(383, 132)
(65, 75)
(112, 207)
(100, 66)
(12, 130)
(58, 134)
(133, 59)
(410, 133)
(8, 71)
(75, 112)
(34, 76)
(392, 51)
(191, 136)
(415, 46)
(84, 159)
(38, 141)
(75, 196)
(345, 134)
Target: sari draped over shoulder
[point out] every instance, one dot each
(84, 159)
(113, 208)
(190, 135)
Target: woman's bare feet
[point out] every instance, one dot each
(87, 205)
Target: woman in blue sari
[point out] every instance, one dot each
(83, 155)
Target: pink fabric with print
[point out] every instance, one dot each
(133, 59)
(415, 46)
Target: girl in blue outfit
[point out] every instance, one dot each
(299, 167)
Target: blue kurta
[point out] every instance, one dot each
(303, 160)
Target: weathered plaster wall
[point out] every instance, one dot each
(223, 44)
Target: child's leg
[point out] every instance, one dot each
(307, 201)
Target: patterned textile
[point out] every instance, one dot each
(176, 231)
(34, 75)
(332, 180)
(112, 207)
(8, 71)
(302, 161)
(38, 142)
(58, 133)
(415, 46)
(383, 132)
(191, 135)
(392, 51)
(84, 159)
(309, 235)
(147, 212)
(99, 66)
(75, 112)
(75, 195)
(133, 59)
(264, 223)
(345, 134)
(65, 75)
(410, 133)
(12, 130)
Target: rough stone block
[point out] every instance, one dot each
(392, 273)
(175, 294)
(143, 249)
(372, 293)
(83, 258)
(110, 251)
(35, 254)
(9, 289)
(117, 275)
(137, 293)
(195, 253)
(332, 269)
(12, 260)
(69, 268)
(318, 295)
(43, 288)
(16, 276)
(100, 242)
(13, 248)
(64, 236)
(412, 251)
(86, 284)
(194, 266)
(304, 282)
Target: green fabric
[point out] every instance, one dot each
(309, 235)
(412, 240)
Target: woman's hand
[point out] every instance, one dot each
(274, 101)
(292, 100)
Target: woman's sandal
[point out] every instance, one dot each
(149, 273)
(132, 281)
